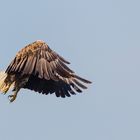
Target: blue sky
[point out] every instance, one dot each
(101, 39)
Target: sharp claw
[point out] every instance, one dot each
(12, 98)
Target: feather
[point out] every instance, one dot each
(47, 71)
(82, 79)
(76, 88)
(79, 84)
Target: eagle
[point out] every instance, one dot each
(37, 67)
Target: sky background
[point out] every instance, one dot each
(101, 39)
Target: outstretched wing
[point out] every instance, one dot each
(47, 70)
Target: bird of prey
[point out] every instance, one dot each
(39, 68)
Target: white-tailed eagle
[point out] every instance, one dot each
(38, 68)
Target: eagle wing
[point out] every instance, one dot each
(47, 71)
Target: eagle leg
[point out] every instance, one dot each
(13, 97)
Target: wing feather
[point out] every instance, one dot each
(29, 65)
(21, 67)
(79, 84)
(47, 71)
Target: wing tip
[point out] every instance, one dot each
(82, 79)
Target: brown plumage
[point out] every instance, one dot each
(37, 67)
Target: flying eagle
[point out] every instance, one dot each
(38, 68)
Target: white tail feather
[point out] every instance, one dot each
(4, 87)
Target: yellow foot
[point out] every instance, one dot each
(12, 97)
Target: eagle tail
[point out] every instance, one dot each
(4, 86)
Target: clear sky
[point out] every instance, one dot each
(101, 39)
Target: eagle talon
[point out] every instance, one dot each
(12, 97)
